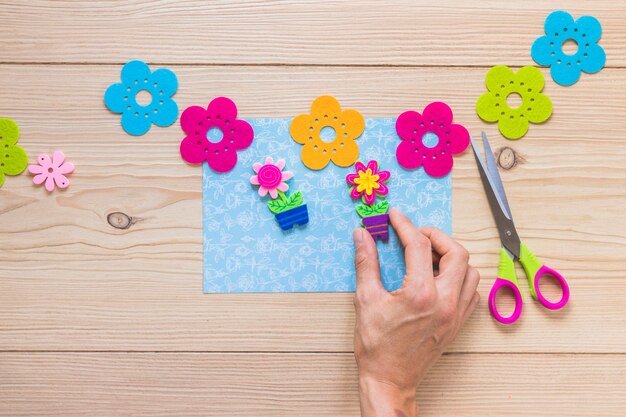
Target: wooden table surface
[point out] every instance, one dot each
(96, 320)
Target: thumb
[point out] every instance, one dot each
(366, 262)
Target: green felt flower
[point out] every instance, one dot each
(13, 159)
(502, 82)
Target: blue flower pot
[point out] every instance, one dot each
(298, 215)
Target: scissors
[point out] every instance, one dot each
(512, 247)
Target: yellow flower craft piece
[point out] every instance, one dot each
(306, 129)
(367, 182)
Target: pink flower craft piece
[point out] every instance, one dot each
(289, 210)
(435, 122)
(51, 171)
(368, 181)
(271, 177)
(218, 121)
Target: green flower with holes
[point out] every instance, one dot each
(502, 82)
(13, 159)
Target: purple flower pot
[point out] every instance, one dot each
(377, 225)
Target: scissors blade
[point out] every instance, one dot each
(494, 174)
(506, 228)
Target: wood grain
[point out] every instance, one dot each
(71, 281)
(185, 384)
(445, 33)
(104, 315)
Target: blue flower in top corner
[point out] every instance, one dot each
(585, 32)
(157, 87)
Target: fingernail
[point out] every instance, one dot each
(357, 236)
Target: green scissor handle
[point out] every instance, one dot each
(531, 266)
(534, 270)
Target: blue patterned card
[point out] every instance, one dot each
(246, 251)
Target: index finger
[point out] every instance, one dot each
(417, 250)
(366, 263)
(454, 257)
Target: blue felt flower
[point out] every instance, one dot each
(561, 27)
(137, 78)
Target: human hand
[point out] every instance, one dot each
(400, 334)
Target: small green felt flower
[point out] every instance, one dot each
(502, 82)
(13, 159)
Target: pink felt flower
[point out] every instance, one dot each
(52, 171)
(413, 128)
(270, 177)
(368, 181)
(218, 119)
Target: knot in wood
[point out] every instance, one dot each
(120, 220)
(507, 158)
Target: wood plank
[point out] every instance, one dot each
(94, 384)
(369, 32)
(69, 281)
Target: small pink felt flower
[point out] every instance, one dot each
(368, 181)
(270, 177)
(52, 171)
(219, 121)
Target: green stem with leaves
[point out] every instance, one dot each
(373, 209)
(285, 203)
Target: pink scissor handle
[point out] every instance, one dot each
(545, 271)
(499, 284)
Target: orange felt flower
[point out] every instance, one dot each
(342, 149)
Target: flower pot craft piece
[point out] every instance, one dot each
(367, 183)
(375, 219)
(289, 210)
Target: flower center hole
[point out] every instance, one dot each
(214, 135)
(430, 139)
(513, 100)
(143, 98)
(328, 134)
(50, 170)
(570, 47)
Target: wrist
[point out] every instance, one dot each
(384, 399)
